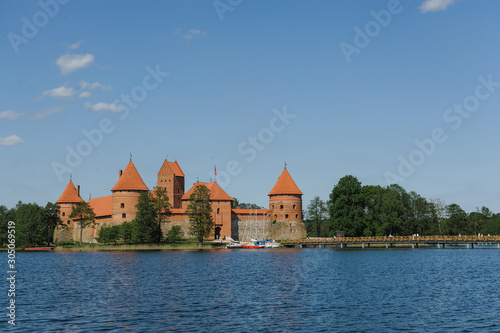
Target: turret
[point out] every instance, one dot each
(285, 199)
(126, 194)
(68, 199)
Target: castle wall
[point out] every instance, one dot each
(244, 230)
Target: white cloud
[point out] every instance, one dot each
(45, 113)
(101, 106)
(76, 45)
(11, 140)
(71, 62)
(194, 32)
(11, 114)
(84, 94)
(60, 92)
(435, 5)
(83, 85)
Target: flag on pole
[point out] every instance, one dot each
(215, 170)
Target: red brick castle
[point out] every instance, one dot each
(282, 220)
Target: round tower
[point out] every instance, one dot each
(126, 194)
(68, 199)
(285, 199)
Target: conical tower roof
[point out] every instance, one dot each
(130, 180)
(285, 185)
(70, 195)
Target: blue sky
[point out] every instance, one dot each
(388, 91)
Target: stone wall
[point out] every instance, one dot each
(244, 230)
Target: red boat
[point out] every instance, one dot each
(256, 245)
(37, 249)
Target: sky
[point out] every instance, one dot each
(402, 92)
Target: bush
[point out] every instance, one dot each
(174, 234)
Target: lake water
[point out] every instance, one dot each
(292, 290)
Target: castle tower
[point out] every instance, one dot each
(285, 199)
(126, 194)
(68, 199)
(171, 178)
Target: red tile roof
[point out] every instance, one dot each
(70, 195)
(285, 185)
(175, 167)
(216, 192)
(130, 180)
(102, 206)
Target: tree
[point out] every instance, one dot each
(51, 219)
(243, 205)
(126, 232)
(109, 234)
(6, 215)
(440, 211)
(174, 234)
(347, 207)
(457, 220)
(85, 216)
(30, 227)
(145, 225)
(199, 211)
(316, 215)
(161, 205)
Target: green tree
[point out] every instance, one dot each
(199, 211)
(316, 217)
(6, 215)
(145, 224)
(109, 234)
(30, 226)
(161, 205)
(51, 220)
(372, 195)
(126, 232)
(456, 222)
(174, 234)
(243, 205)
(85, 216)
(347, 207)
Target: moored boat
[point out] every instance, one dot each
(42, 249)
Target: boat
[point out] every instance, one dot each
(39, 249)
(254, 245)
(272, 244)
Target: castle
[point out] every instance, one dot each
(283, 219)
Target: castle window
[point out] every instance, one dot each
(286, 216)
(281, 207)
(68, 222)
(124, 215)
(293, 206)
(273, 206)
(218, 210)
(296, 216)
(275, 216)
(63, 214)
(122, 205)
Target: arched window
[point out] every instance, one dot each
(296, 216)
(124, 215)
(218, 210)
(68, 222)
(293, 206)
(281, 207)
(122, 205)
(63, 214)
(286, 216)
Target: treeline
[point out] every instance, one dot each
(372, 210)
(34, 224)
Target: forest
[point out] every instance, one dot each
(373, 210)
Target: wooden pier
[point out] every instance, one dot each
(393, 241)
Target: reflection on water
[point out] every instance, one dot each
(260, 290)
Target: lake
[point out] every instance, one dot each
(291, 290)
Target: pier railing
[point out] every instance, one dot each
(395, 239)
